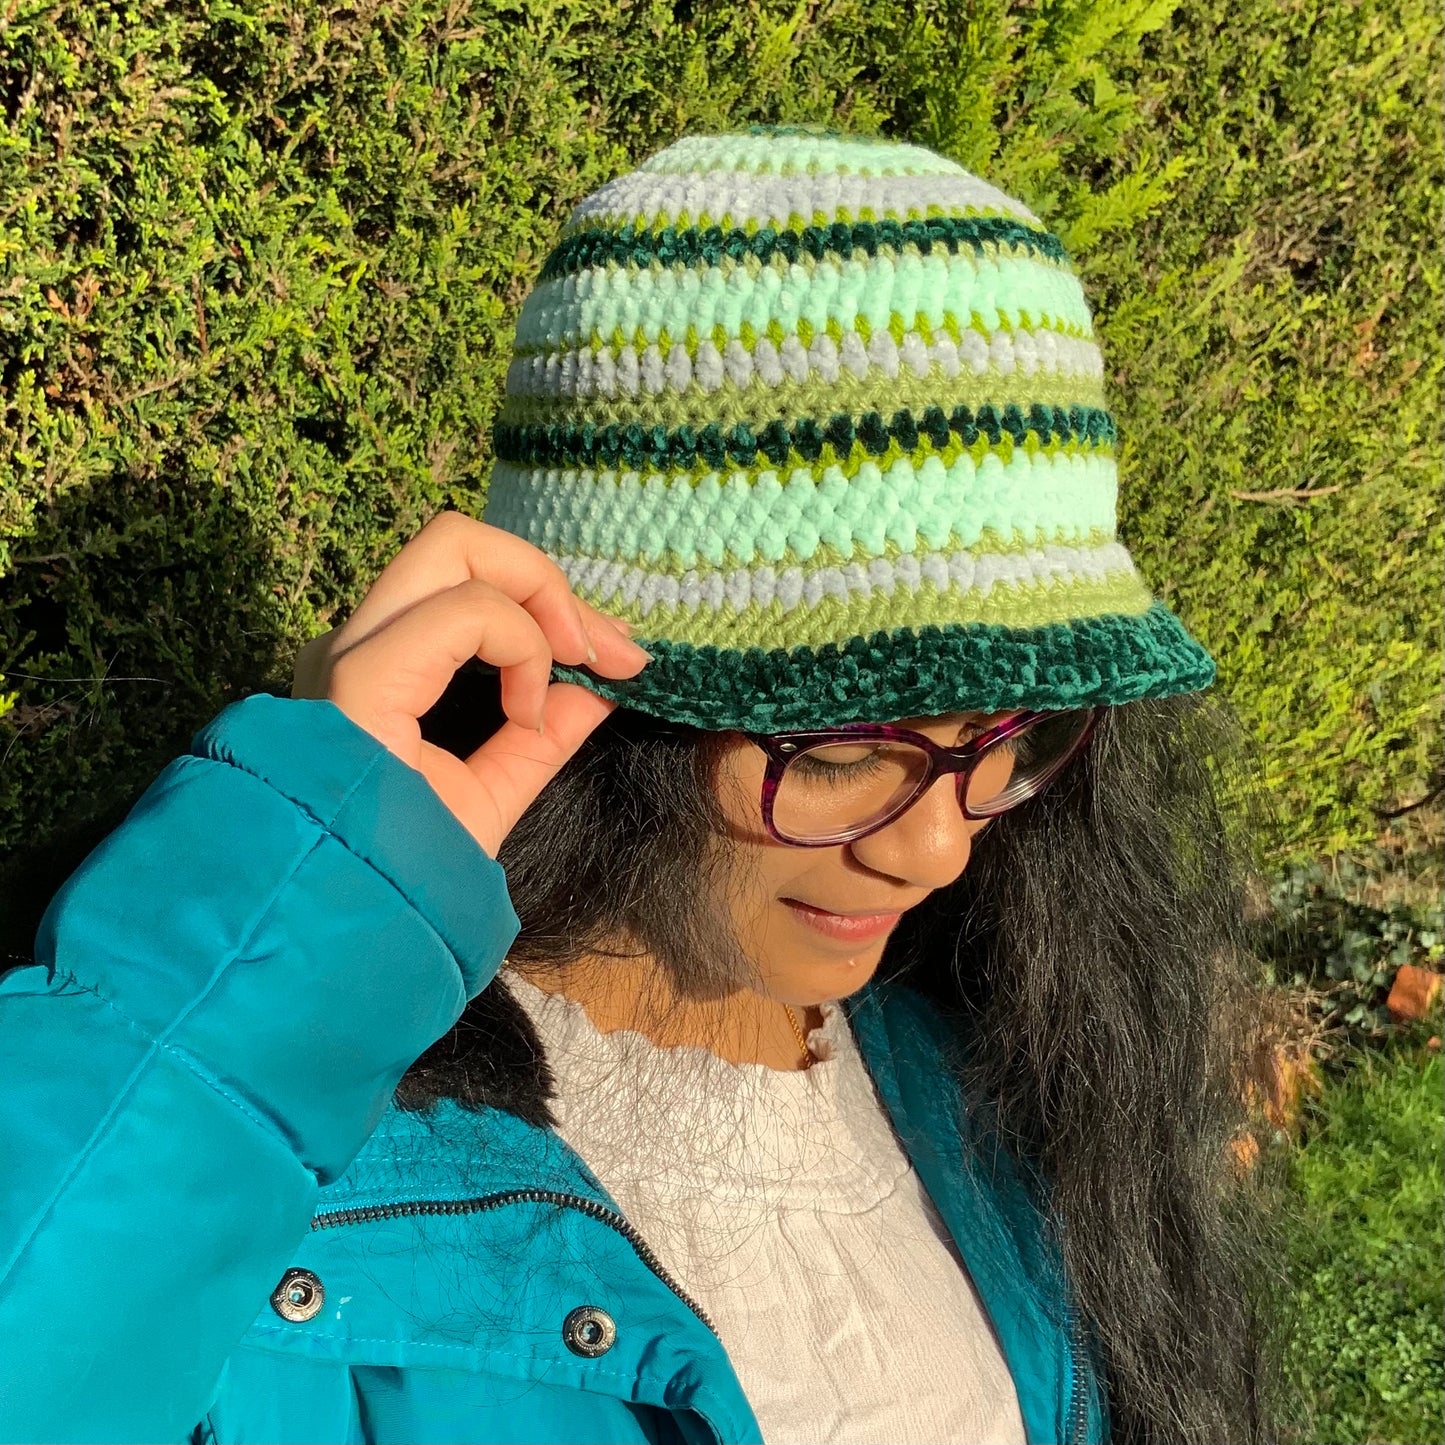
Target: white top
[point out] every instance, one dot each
(783, 1204)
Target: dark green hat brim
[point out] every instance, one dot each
(913, 673)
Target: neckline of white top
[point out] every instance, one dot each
(784, 1138)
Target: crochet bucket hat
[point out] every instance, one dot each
(824, 416)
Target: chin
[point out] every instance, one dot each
(830, 979)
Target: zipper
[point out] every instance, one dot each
(369, 1214)
(1076, 1423)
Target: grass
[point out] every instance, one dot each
(1368, 1350)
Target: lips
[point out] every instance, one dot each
(848, 927)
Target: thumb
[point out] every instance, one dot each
(512, 767)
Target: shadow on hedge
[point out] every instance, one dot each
(138, 610)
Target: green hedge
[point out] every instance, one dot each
(259, 260)
(1278, 330)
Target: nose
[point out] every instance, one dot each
(928, 845)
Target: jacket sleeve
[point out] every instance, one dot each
(224, 997)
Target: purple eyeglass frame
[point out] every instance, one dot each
(782, 748)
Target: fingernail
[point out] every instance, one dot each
(542, 729)
(591, 651)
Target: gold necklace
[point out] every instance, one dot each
(808, 1059)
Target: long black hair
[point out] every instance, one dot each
(1098, 943)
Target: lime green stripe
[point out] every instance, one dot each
(655, 220)
(832, 620)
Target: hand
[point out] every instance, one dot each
(461, 589)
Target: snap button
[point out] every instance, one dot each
(299, 1296)
(589, 1331)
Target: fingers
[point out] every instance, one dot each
(452, 549)
(406, 665)
(457, 590)
(612, 638)
(515, 763)
(593, 617)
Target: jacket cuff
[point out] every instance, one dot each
(384, 811)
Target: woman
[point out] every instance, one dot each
(818, 1025)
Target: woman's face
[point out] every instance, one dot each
(799, 962)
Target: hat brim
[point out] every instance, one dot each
(981, 667)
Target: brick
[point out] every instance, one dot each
(1414, 992)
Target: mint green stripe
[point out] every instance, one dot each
(757, 516)
(999, 295)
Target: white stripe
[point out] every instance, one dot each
(772, 200)
(767, 155)
(584, 373)
(607, 580)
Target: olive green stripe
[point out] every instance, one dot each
(631, 245)
(991, 543)
(832, 620)
(730, 404)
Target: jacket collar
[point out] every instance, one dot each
(500, 1142)
(990, 1204)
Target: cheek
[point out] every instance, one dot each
(760, 869)
(791, 962)
(761, 875)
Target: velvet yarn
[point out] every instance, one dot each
(824, 417)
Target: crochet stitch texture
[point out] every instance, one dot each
(825, 417)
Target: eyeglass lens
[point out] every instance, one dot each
(837, 788)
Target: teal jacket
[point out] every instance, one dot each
(216, 1225)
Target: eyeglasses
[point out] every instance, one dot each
(828, 786)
